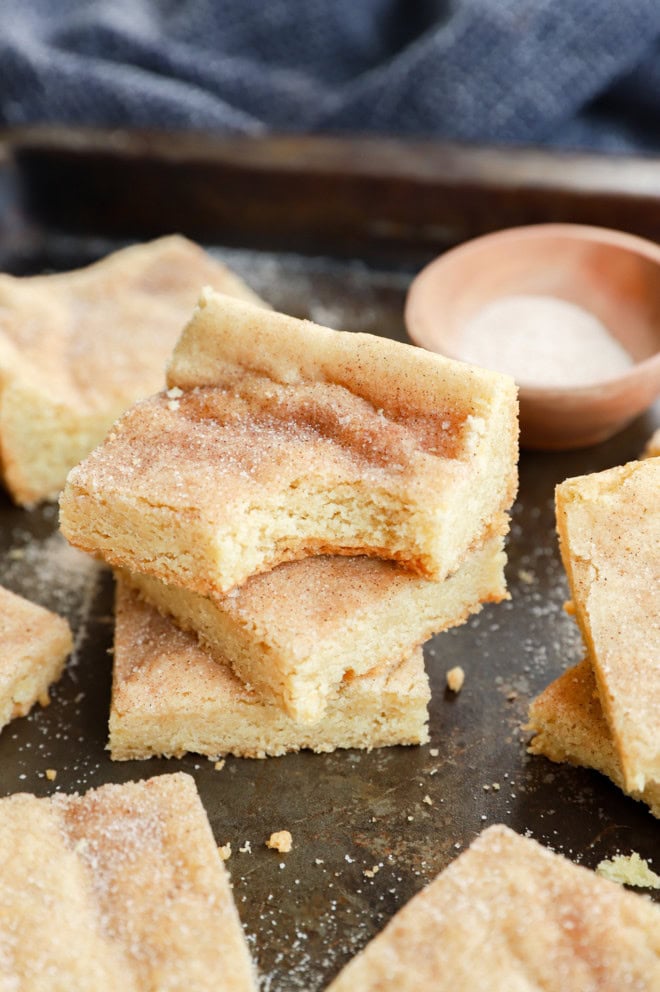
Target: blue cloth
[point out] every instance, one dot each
(575, 73)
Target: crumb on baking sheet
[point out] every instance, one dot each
(280, 840)
(427, 800)
(455, 678)
(51, 774)
(629, 869)
(247, 848)
(224, 850)
(219, 765)
(370, 872)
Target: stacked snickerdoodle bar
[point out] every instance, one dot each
(309, 506)
(605, 712)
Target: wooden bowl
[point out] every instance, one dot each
(614, 276)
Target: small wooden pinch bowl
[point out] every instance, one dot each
(614, 276)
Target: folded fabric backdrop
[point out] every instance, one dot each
(580, 73)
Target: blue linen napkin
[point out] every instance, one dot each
(572, 73)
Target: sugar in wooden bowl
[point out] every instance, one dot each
(571, 312)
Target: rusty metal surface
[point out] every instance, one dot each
(309, 911)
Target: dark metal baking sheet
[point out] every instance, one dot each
(308, 912)
(353, 196)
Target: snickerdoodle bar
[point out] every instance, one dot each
(509, 914)
(295, 633)
(278, 439)
(169, 697)
(118, 890)
(34, 645)
(568, 724)
(609, 528)
(78, 348)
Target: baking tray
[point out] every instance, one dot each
(308, 912)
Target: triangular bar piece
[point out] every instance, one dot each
(510, 915)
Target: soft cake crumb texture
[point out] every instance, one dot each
(77, 348)
(291, 439)
(509, 914)
(609, 527)
(34, 646)
(169, 697)
(132, 877)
